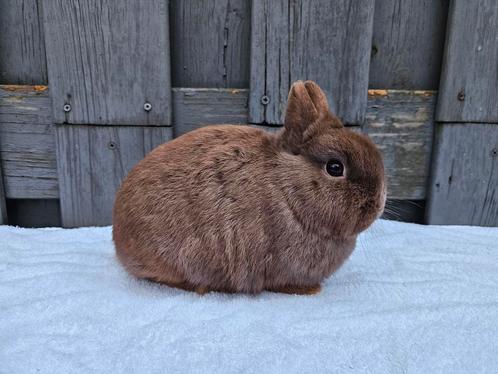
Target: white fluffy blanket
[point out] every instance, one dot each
(411, 299)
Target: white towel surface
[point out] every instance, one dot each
(411, 299)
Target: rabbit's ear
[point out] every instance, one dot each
(301, 111)
(300, 114)
(321, 104)
(318, 98)
(306, 105)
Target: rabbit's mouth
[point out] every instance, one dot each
(369, 212)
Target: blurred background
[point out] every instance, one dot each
(88, 87)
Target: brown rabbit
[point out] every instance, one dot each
(236, 209)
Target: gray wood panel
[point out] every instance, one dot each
(464, 183)
(193, 107)
(210, 43)
(92, 162)
(469, 80)
(400, 122)
(408, 43)
(107, 59)
(27, 144)
(22, 48)
(327, 41)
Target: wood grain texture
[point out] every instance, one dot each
(464, 183)
(210, 43)
(22, 48)
(107, 59)
(27, 145)
(408, 43)
(92, 162)
(400, 122)
(327, 41)
(469, 80)
(270, 55)
(194, 107)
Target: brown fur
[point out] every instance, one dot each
(236, 209)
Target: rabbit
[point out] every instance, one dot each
(236, 209)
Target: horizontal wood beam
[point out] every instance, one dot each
(27, 143)
(400, 122)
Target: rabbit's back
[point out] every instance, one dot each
(193, 210)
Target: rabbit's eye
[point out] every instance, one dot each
(335, 168)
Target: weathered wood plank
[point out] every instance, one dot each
(464, 184)
(92, 162)
(469, 80)
(22, 48)
(270, 76)
(408, 43)
(210, 43)
(194, 107)
(27, 144)
(400, 122)
(327, 41)
(106, 59)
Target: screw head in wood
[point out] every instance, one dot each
(265, 100)
(461, 95)
(147, 107)
(111, 145)
(67, 108)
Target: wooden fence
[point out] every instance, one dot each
(88, 87)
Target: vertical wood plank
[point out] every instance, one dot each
(22, 48)
(106, 59)
(469, 80)
(408, 43)
(210, 43)
(270, 75)
(464, 184)
(327, 41)
(92, 162)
